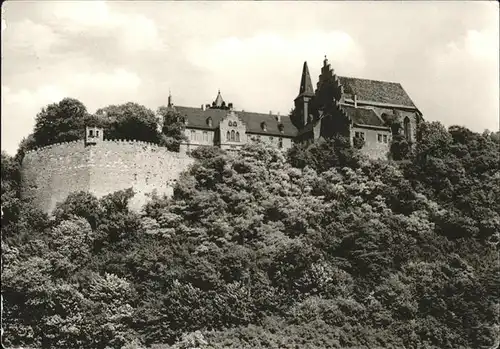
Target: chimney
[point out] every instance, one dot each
(278, 117)
(270, 112)
(355, 98)
(203, 107)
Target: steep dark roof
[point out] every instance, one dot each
(306, 87)
(376, 91)
(218, 100)
(363, 116)
(197, 118)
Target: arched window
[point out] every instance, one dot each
(263, 126)
(235, 124)
(407, 129)
(91, 133)
(97, 133)
(230, 123)
(232, 136)
(228, 136)
(237, 136)
(209, 122)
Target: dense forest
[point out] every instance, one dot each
(316, 248)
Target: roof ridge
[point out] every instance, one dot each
(353, 77)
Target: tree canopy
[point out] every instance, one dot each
(61, 122)
(317, 248)
(172, 128)
(129, 121)
(65, 121)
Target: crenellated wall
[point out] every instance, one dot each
(49, 174)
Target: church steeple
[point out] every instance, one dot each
(306, 87)
(306, 93)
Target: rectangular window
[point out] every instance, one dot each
(385, 139)
(379, 138)
(360, 135)
(193, 135)
(205, 136)
(97, 133)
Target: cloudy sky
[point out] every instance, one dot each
(445, 54)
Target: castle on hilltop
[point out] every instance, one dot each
(369, 110)
(365, 110)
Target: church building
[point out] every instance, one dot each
(368, 112)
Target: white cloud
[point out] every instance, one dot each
(95, 90)
(465, 82)
(482, 44)
(19, 109)
(133, 32)
(56, 49)
(119, 79)
(257, 69)
(28, 36)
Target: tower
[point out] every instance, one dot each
(170, 103)
(219, 103)
(93, 135)
(302, 102)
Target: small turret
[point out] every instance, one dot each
(170, 102)
(93, 135)
(218, 100)
(219, 103)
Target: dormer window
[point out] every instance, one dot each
(209, 122)
(263, 126)
(281, 127)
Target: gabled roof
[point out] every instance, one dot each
(197, 118)
(363, 116)
(376, 91)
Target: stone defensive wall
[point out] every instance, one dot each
(50, 173)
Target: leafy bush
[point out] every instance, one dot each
(316, 249)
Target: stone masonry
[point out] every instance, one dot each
(51, 173)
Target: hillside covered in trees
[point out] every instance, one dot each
(317, 248)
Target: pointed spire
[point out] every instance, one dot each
(218, 101)
(306, 88)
